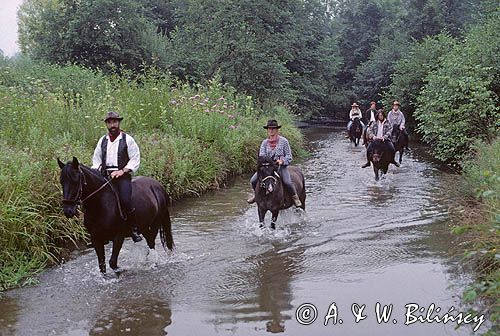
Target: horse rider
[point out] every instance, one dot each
(380, 130)
(369, 116)
(117, 156)
(354, 113)
(278, 148)
(396, 117)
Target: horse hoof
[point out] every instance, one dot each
(273, 226)
(261, 225)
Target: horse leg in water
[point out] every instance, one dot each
(99, 250)
(117, 246)
(401, 154)
(375, 170)
(262, 215)
(274, 218)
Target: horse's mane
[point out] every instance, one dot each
(264, 160)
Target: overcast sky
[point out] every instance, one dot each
(8, 26)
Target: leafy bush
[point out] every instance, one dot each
(460, 102)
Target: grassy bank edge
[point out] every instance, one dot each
(477, 226)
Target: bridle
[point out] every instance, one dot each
(270, 177)
(81, 183)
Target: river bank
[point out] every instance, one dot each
(477, 224)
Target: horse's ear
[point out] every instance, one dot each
(75, 162)
(59, 162)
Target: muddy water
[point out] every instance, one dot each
(359, 242)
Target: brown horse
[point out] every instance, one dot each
(102, 213)
(270, 194)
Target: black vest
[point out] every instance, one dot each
(122, 153)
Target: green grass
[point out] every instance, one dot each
(191, 140)
(480, 227)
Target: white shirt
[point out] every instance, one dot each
(112, 153)
(372, 115)
(355, 113)
(380, 129)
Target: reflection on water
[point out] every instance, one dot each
(361, 241)
(137, 316)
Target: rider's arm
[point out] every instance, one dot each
(287, 157)
(134, 155)
(369, 131)
(97, 158)
(350, 115)
(402, 125)
(387, 133)
(262, 150)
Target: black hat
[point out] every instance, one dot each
(112, 115)
(271, 123)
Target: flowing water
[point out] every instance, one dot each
(360, 241)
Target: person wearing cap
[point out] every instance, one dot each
(396, 117)
(354, 113)
(277, 148)
(117, 156)
(380, 130)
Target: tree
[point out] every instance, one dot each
(98, 34)
(460, 101)
(410, 72)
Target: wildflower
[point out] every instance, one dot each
(222, 98)
(232, 126)
(173, 102)
(230, 116)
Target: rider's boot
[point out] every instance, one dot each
(251, 200)
(296, 200)
(132, 223)
(348, 135)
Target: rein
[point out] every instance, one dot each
(78, 199)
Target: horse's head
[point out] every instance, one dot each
(72, 183)
(378, 151)
(266, 171)
(395, 132)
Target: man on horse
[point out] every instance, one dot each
(369, 115)
(354, 113)
(380, 130)
(396, 117)
(117, 156)
(277, 148)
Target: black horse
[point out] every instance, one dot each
(102, 213)
(399, 140)
(380, 157)
(270, 194)
(355, 131)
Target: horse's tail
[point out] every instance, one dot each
(165, 223)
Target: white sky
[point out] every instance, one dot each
(8, 26)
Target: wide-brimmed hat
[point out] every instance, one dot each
(396, 103)
(271, 123)
(354, 105)
(112, 115)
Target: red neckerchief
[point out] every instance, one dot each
(113, 138)
(273, 141)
